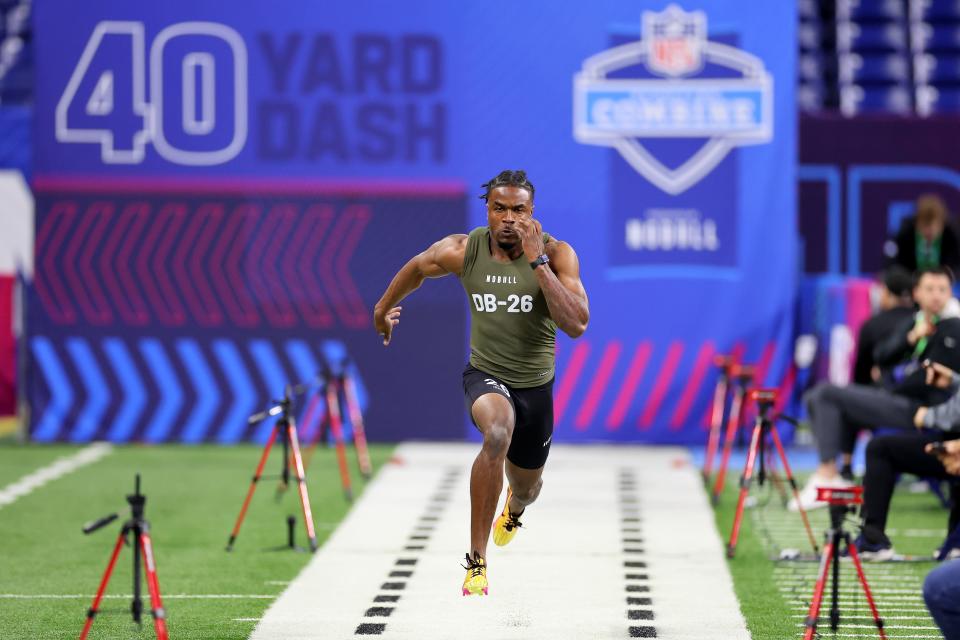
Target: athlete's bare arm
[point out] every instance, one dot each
(443, 257)
(561, 285)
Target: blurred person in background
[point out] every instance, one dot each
(889, 456)
(895, 307)
(837, 413)
(925, 239)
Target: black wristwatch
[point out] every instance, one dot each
(542, 259)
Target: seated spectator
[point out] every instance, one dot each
(896, 307)
(941, 589)
(926, 239)
(890, 455)
(838, 413)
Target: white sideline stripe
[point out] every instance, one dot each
(855, 589)
(883, 610)
(885, 627)
(885, 618)
(563, 578)
(175, 596)
(861, 636)
(879, 601)
(56, 469)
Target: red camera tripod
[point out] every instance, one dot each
(764, 426)
(139, 531)
(743, 375)
(841, 502)
(286, 430)
(720, 394)
(331, 423)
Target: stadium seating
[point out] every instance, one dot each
(16, 55)
(895, 56)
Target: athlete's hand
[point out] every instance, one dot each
(531, 238)
(385, 321)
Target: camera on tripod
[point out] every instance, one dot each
(841, 497)
(763, 396)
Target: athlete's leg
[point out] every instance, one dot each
(494, 416)
(525, 484)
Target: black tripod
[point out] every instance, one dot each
(139, 530)
(841, 502)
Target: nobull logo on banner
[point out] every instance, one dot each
(673, 83)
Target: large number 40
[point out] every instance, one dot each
(192, 65)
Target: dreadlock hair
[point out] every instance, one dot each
(508, 178)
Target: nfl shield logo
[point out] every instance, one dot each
(674, 39)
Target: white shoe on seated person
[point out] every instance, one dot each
(808, 495)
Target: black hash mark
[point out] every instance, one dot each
(397, 598)
(367, 629)
(640, 614)
(393, 586)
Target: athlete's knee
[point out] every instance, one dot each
(530, 493)
(496, 438)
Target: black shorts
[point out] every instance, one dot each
(533, 408)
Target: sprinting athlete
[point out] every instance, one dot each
(522, 285)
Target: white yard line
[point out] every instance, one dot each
(56, 469)
(563, 577)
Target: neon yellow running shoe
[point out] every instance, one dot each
(475, 584)
(505, 528)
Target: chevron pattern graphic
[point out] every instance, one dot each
(177, 263)
(155, 390)
(166, 314)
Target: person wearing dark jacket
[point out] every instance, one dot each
(925, 239)
(896, 306)
(837, 413)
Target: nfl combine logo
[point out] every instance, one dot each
(678, 85)
(674, 40)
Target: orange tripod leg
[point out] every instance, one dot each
(318, 432)
(95, 607)
(745, 481)
(253, 487)
(302, 486)
(733, 423)
(359, 433)
(153, 585)
(866, 589)
(793, 485)
(716, 426)
(336, 427)
(814, 613)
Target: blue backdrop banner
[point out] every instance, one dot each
(225, 189)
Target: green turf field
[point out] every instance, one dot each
(193, 497)
(774, 596)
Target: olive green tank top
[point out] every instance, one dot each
(512, 335)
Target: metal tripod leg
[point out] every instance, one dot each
(302, 485)
(253, 486)
(95, 607)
